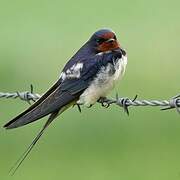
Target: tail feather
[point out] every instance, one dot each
(30, 147)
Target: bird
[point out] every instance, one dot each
(86, 78)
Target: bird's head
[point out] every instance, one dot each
(104, 40)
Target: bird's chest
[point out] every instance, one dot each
(106, 77)
(104, 81)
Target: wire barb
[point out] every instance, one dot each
(174, 103)
(124, 102)
(26, 96)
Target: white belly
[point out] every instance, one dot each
(104, 82)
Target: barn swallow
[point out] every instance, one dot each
(88, 76)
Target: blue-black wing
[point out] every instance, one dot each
(64, 91)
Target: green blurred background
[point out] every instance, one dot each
(36, 40)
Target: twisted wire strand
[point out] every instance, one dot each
(26, 95)
(123, 102)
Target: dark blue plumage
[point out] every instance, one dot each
(91, 66)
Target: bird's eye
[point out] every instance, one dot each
(115, 37)
(100, 40)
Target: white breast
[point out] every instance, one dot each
(104, 82)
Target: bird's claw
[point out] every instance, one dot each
(89, 106)
(104, 102)
(78, 106)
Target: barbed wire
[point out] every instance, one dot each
(124, 102)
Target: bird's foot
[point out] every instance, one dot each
(90, 106)
(104, 102)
